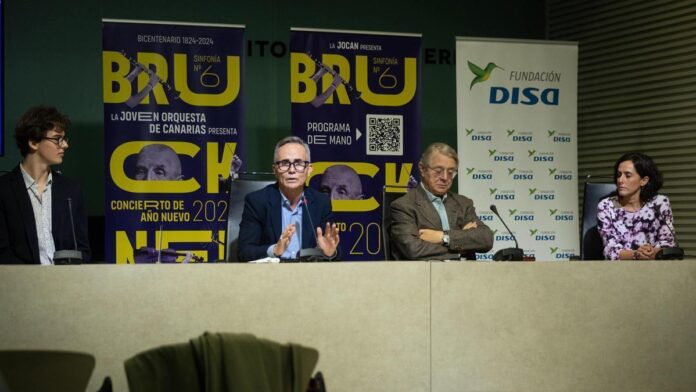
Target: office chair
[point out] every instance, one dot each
(591, 246)
(222, 362)
(246, 183)
(44, 370)
(389, 194)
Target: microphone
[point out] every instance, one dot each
(159, 253)
(69, 256)
(507, 254)
(311, 254)
(671, 252)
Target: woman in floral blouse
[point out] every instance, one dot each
(637, 222)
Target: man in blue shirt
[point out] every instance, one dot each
(279, 220)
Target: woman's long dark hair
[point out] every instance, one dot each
(645, 167)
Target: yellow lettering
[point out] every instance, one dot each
(160, 63)
(218, 167)
(124, 248)
(200, 99)
(333, 61)
(115, 68)
(301, 70)
(122, 152)
(391, 183)
(375, 99)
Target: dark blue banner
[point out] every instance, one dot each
(173, 118)
(356, 101)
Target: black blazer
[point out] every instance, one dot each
(19, 242)
(262, 220)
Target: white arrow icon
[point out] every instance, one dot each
(357, 134)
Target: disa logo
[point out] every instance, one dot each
(513, 95)
(479, 136)
(501, 156)
(565, 254)
(561, 216)
(481, 75)
(519, 137)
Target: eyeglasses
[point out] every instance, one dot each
(441, 172)
(284, 165)
(58, 140)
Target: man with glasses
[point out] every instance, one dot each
(432, 223)
(40, 207)
(284, 218)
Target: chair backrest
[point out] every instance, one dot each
(39, 370)
(389, 194)
(242, 186)
(591, 246)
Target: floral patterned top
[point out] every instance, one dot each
(621, 229)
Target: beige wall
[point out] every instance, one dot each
(485, 326)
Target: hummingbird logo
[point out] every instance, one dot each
(469, 170)
(531, 152)
(551, 132)
(553, 250)
(532, 232)
(491, 152)
(531, 191)
(511, 170)
(512, 212)
(481, 74)
(553, 212)
(492, 190)
(469, 131)
(552, 171)
(510, 132)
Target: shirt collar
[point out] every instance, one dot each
(432, 197)
(29, 180)
(285, 202)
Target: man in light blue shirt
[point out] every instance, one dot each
(432, 223)
(284, 218)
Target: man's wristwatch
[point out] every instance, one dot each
(445, 238)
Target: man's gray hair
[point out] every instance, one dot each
(288, 140)
(442, 148)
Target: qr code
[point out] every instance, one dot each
(385, 134)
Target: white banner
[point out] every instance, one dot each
(517, 141)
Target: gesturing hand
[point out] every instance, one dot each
(284, 240)
(328, 239)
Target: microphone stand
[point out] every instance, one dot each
(311, 254)
(507, 254)
(69, 256)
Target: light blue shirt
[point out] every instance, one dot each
(439, 204)
(290, 216)
(41, 205)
